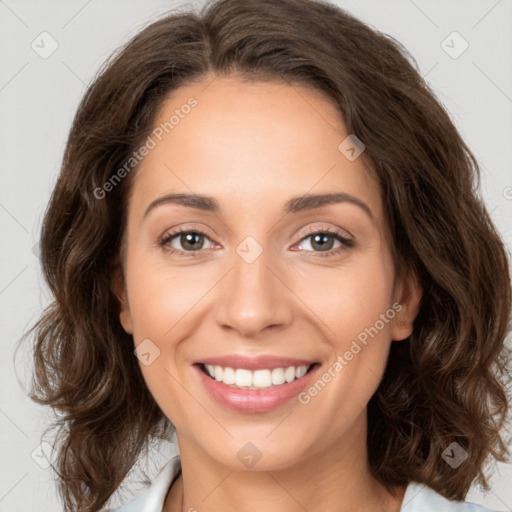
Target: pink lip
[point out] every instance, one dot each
(254, 400)
(254, 363)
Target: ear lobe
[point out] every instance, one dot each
(118, 288)
(408, 293)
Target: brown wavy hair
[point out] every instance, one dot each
(445, 383)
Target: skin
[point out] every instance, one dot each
(253, 146)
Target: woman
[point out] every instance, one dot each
(266, 237)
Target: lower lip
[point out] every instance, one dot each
(254, 400)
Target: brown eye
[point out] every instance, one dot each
(184, 241)
(324, 241)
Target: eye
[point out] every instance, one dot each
(191, 241)
(324, 239)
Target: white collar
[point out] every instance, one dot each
(153, 499)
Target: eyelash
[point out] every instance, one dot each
(346, 243)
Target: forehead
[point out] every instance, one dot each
(249, 144)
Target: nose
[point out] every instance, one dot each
(254, 297)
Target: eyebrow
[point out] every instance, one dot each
(293, 205)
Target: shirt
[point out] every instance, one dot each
(418, 497)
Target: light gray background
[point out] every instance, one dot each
(38, 99)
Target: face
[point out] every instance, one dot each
(258, 277)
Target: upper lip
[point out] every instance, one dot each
(255, 362)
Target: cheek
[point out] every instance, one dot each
(161, 296)
(356, 306)
(350, 300)
(358, 312)
(162, 306)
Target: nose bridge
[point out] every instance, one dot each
(252, 297)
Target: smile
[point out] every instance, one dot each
(255, 385)
(259, 379)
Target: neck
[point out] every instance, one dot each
(336, 478)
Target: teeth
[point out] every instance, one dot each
(243, 377)
(277, 376)
(300, 371)
(261, 379)
(289, 374)
(258, 379)
(228, 376)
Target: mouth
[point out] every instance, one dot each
(254, 384)
(255, 379)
